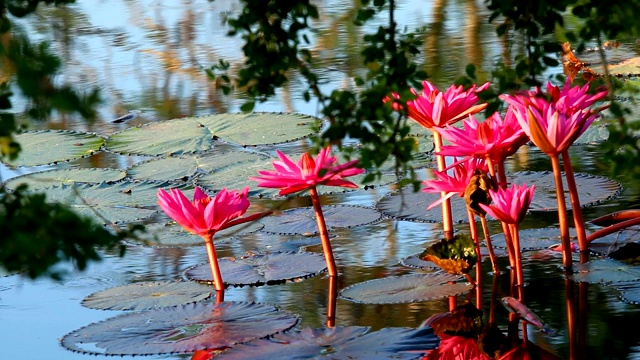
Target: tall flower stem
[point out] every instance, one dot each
(567, 261)
(487, 238)
(476, 240)
(447, 218)
(213, 263)
(575, 207)
(505, 227)
(515, 239)
(324, 234)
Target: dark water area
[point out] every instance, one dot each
(147, 57)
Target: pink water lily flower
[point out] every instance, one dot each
(433, 108)
(494, 137)
(511, 204)
(292, 177)
(457, 184)
(204, 215)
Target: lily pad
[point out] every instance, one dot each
(173, 235)
(353, 342)
(49, 178)
(617, 241)
(186, 167)
(534, 239)
(196, 134)
(179, 329)
(261, 269)
(605, 271)
(629, 292)
(408, 205)
(54, 146)
(148, 295)
(406, 289)
(120, 202)
(262, 241)
(302, 220)
(455, 256)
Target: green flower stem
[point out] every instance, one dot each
(474, 235)
(215, 269)
(567, 261)
(324, 234)
(447, 218)
(575, 208)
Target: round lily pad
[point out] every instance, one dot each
(534, 239)
(605, 271)
(49, 178)
(406, 289)
(261, 269)
(617, 241)
(148, 295)
(409, 205)
(179, 329)
(416, 262)
(353, 342)
(275, 242)
(52, 146)
(629, 292)
(196, 134)
(302, 220)
(120, 202)
(186, 167)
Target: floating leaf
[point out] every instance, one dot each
(120, 202)
(53, 146)
(49, 178)
(275, 242)
(629, 292)
(455, 256)
(405, 289)
(534, 239)
(352, 342)
(196, 134)
(408, 205)
(302, 220)
(179, 329)
(261, 269)
(613, 242)
(605, 271)
(185, 167)
(148, 295)
(173, 235)
(415, 261)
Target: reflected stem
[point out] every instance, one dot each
(571, 317)
(324, 234)
(487, 239)
(575, 207)
(447, 218)
(567, 260)
(215, 268)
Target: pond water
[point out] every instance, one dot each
(147, 58)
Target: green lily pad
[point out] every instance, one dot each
(406, 289)
(196, 134)
(185, 167)
(120, 202)
(629, 292)
(179, 329)
(49, 178)
(261, 269)
(605, 271)
(53, 146)
(262, 241)
(148, 295)
(534, 239)
(302, 220)
(353, 342)
(412, 206)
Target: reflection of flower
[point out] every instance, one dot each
(204, 215)
(292, 177)
(433, 108)
(510, 204)
(457, 348)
